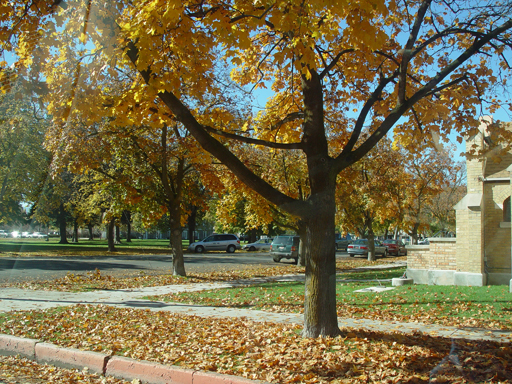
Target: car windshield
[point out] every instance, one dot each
(283, 240)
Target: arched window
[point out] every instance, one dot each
(506, 210)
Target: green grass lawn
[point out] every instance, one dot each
(451, 305)
(41, 247)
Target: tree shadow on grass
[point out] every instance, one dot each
(448, 360)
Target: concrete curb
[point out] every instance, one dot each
(120, 367)
(12, 346)
(51, 354)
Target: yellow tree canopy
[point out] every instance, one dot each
(341, 75)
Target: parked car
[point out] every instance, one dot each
(3, 233)
(361, 247)
(15, 234)
(260, 245)
(225, 242)
(342, 244)
(37, 235)
(285, 247)
(424, 242)
(395, 247)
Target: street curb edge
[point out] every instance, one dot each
(116, 366)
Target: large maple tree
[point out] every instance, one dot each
(336, 69)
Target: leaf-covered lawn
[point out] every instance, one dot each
(266, 351)
(96, 280)
(17, 370)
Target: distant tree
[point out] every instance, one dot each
(440, 207)
(430, 175)
(24, 163)
(53, 201)
(363, 195)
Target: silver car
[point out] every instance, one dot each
(225, 242)
(361, 247)
(260, 245)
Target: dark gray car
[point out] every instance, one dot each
(285, 247)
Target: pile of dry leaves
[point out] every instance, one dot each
(17, 370)
(273, 352)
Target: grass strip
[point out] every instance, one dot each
(485, 307)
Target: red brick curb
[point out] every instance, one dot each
(12, 346)
(71, 358)
(146, 371)
(202, 377)
(120, 367)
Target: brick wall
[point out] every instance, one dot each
(439, 255)
(418, 256)
(442, 255)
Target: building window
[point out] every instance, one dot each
(506, 210)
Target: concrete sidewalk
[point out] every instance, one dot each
(12, 299)
(17, 299)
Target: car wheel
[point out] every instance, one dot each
(231, 249)
(277, 259)
(351, 255)
(385, 254)
(405, 252)
(252, 249)
(199, 249)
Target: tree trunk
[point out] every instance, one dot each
(128, 232)
(110, 235)
(75, 231)
(303, 246)
(414, 233)
(320, 316)
(118, 234)
(371, 244)
(178, 263)
(62, 225)
(191, 221)
(127, 219)
(91, 235)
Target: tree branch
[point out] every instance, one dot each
(249, 140)
(334, 62)
(290, 117)
(216, 148)
(407, 51)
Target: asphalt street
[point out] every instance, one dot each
(16, 269)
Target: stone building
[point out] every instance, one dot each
(481, 252)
